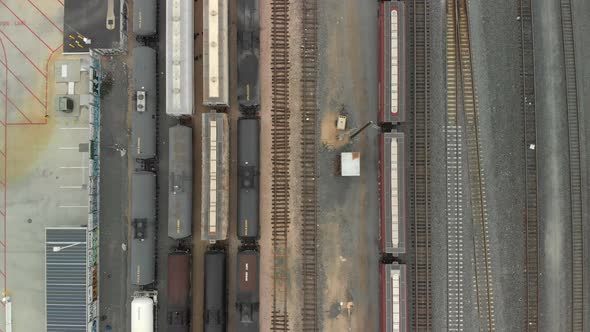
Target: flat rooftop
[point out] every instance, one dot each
(91, 24)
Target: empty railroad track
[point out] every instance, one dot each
(280, 214)
(309, 113)
(468, 106)
(527, 92)
(454, 169)
(420, 159)
(575, 167)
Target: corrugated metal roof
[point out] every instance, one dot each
(65, 279)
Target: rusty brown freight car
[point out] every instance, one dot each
(178, 292)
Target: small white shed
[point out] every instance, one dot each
(350, 164)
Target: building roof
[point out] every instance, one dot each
(350, 164)
(66, 279)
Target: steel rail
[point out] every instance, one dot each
(280, 151)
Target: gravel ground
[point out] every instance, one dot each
(438, 166)
(114, 293)
(266, 265)
(348, 220)
(581, 10)
(494, 27)
(554, 203)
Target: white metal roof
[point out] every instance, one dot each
(350, 164)
(66, 279)
(179, 57)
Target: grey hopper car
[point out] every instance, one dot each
(248, 55)
(144, 17)
(143, 225)
(215, 313)
(143, 118)
(248, 178)
(180, 191)
(247, 291)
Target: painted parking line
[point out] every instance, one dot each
(69, 148)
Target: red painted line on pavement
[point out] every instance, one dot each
(26, 123)
(5, 153)
(17, 108)
(60, 2)
(47, 71)
(24, 85)
(25, 24)
(25, 55)
(42, 13)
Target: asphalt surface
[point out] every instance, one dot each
(349, 217)
(554, 203)
(114, 296)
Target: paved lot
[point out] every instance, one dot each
(349, 220)
(44, 168)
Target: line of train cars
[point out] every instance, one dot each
(215, 167)
(144, 152)
(392, 110)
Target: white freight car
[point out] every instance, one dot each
(179, 57)
(215, 54)
(142, 313)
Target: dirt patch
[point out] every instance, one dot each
(330, 135)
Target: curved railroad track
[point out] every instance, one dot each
(575, 168)
(467, 105)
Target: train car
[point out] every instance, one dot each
(393, 294)
(144, 17)
(248, 55)
(143, 223)
(215, 53)
(392, 62)
(143, 117)
(179, 281)
(180, 175)
(215, 177)
(393, 188)
(248, 178)
(215, 313)
(179, 57)
(247, 291)
(142, 313)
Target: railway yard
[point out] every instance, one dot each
(294, 165)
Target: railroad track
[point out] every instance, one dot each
(575, 168)
(309, 208)
(454, 145)
(422, 270)
(468, 106)
(527, 90)
(280, 133)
